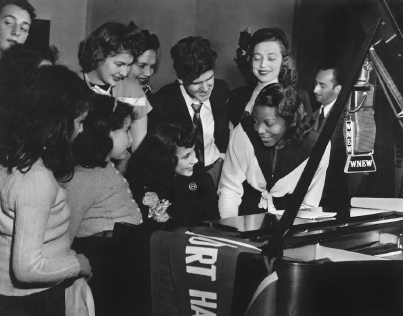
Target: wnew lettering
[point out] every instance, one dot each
(363, 163)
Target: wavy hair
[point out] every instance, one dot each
(192, 57)
(155, 160)
(287, 104)
(39, 121)
(110, 39)
(244, 54)
(93, 144)
(23, 4)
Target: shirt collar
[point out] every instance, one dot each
(327, 108)
(189, 101)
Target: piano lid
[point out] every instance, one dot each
(261, 226)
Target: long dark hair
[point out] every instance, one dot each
(92, 146)
(287, 104)
(155, 160)
(39, 121)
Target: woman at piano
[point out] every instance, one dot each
(266, 155)
(169, 187)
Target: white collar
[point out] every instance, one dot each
(328, 107)
(189, 101)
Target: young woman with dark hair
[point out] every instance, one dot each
(262, 58)
(267, 154)
(165, 181)
(105, 57)
(37, 128)
(98, 194)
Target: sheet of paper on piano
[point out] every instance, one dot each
(312, 213)
(378, 203)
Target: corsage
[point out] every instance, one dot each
(157, 209)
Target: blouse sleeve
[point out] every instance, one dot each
(314, 193)
(33, 206)
(129, 92)
(80, 197)
(237, 158)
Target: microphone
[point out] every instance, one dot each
(359, 127)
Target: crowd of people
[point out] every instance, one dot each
(80, 152)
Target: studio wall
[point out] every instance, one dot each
(68, 20)
(218, 20)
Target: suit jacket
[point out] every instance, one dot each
(170, 106)
(336, 184)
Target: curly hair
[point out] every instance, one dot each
(93, 144)
(110, 39)
(155, 160)
(287, 104)
(244, 53)
(151, 41)
(192, 57)
(39, 121)
(23, 4)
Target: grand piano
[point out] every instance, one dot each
(346, 263)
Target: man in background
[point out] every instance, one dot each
(328, 84)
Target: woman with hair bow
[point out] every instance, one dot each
(262, 58)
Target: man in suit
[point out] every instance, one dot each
(328, 84)
(197, 99)
(15, 21)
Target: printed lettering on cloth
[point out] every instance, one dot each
(202, 272)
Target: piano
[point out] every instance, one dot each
(346, 264)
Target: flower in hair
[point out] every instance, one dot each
(157, 208)
(242, 53)
(244, 38)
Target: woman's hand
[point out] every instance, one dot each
(85, 267)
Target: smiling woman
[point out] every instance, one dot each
(165, 165)
(262, 58)
(267, 154)
(105, 57)
(106, 54)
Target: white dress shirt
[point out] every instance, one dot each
(211, 152)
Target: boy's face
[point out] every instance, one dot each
(14, 26)
(201, 88)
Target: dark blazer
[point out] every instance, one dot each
(336, 183)
(170, 106)
(239, 98)
(193, 199)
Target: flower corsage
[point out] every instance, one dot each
(157, 209)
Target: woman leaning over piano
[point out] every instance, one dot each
(266, 155)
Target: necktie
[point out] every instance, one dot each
(199, 147)
(321, 116)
